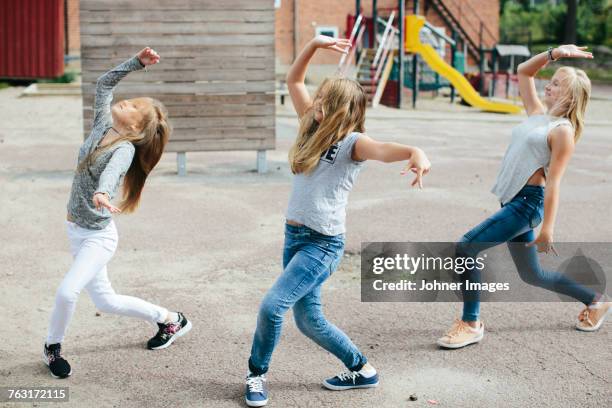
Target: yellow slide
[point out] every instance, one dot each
(468, 93)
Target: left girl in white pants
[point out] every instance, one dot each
(126, 142)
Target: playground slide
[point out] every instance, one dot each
(467, 92)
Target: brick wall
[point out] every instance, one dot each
(284, 32)
(309, 15)
(312, 13)
(73, 34)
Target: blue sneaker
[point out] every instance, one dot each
(364, 378)
(256, 390)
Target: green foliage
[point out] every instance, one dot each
(68, 77)
(594, 74)
(608, 28)
(591, 22)
(545, 23)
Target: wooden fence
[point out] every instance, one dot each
(216, 74)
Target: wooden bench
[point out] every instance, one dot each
(216, 75)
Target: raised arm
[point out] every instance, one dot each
(367, 148)
(107, 82)
(297, 72)
(528, 69)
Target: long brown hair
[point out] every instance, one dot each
(343, 102)
(572, 104)
(149, 145)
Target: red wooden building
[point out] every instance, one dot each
(32, 38)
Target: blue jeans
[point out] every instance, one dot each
(309, 258)
(513, 223)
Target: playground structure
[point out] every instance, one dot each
(216, 76)
(383, 48)
(373, 66)
(468, 93)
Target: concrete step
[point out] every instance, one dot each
(51, 89)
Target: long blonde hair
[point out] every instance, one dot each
(343, 102)
(149, 145)
(572, 104)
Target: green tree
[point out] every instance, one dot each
(585, 21)
(571, 17)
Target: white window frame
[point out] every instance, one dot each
(321, 29)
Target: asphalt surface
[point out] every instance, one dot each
(210, 245)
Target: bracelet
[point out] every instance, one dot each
(550, 55)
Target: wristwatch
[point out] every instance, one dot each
(550, 55)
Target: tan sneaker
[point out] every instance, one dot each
(591, 318)
(460, 335)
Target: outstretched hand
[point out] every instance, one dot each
(101, 200)
(148, 56)
(341, 45)
(571, 51)
(418, 164)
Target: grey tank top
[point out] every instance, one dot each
(528, 152)
(318, 199)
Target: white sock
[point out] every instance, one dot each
(173, 317)
(367, 371)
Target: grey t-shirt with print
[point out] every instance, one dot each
(318, 199)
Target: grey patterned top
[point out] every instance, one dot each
(106, 173)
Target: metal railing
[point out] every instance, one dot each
(383, 59)
(381, 64)
(384, 47)
(467, 18)
(347, 60)
(388, 33)
(440, 33)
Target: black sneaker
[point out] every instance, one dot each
(169, 332)
(57, 365)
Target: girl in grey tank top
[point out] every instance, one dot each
(539, 151)
(528, 152)
(326, 158)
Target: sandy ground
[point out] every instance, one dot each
(210, 245)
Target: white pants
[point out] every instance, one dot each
(92, 250)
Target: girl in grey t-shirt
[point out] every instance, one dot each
(125, 143)
(325, 160)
